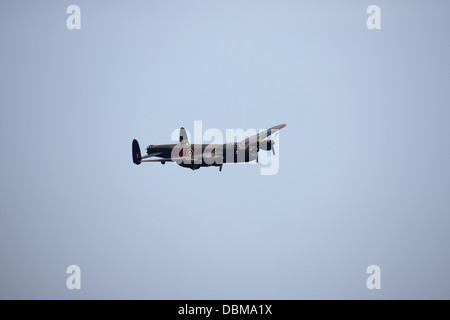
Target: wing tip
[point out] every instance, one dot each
(280, 126)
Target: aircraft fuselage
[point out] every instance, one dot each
(231, 153)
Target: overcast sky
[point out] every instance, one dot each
(364, 176)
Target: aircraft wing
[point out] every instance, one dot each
(166, 159)
(187, 159)
(263, 134)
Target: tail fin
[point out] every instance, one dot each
(183, 135)
(136, 152)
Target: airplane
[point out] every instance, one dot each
(205, 155)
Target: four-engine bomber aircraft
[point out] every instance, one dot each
(205, 155)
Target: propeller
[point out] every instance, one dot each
(265, 146)
(273, 143)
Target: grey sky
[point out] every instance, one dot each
(364, 160)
